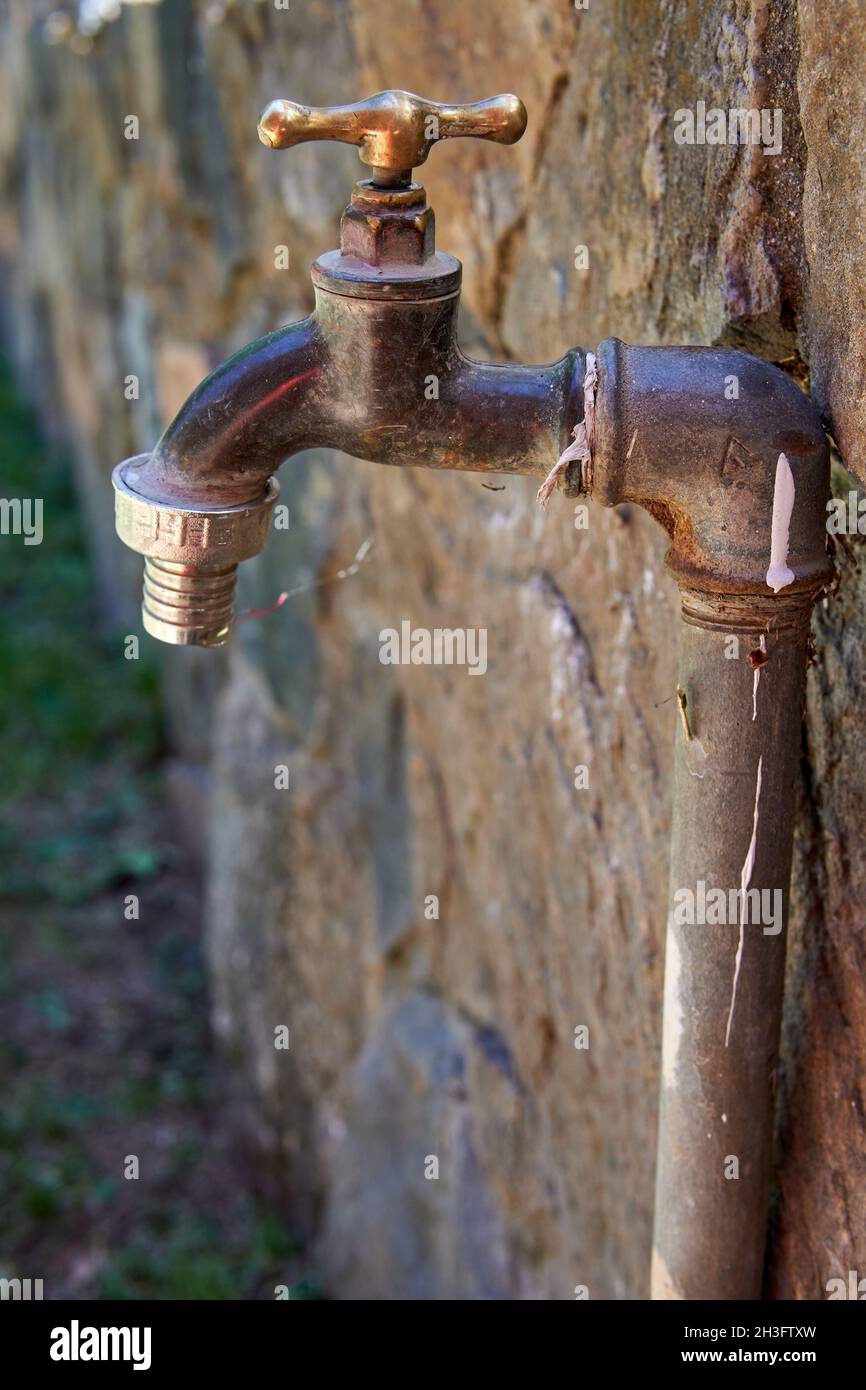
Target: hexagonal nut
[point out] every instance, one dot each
(206, 537)
(384, 237)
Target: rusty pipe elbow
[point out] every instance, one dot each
(694, 435)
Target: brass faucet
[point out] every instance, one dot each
(723, 449)
(375, 371)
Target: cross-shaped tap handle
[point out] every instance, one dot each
(394, 131)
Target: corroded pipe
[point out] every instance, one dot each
(730, 457)
(733, 826)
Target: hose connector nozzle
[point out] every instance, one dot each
(191, 556)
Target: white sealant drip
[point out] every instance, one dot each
(673, 1015)
(696, 758)
(745, 879)
(778, 575)
(757, 677)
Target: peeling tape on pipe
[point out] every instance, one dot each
(778, 575)
(582, 433)
(745, 880)
(696, 757)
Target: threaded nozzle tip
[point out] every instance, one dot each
(188, 605)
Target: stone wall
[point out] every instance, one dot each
(454, 1038)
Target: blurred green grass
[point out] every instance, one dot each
(104, 1042)
(63, 704)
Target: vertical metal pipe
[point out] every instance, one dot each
(735, 769)
(739, 479)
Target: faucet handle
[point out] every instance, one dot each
(394, 131)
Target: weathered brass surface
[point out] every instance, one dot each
(394, 131)
(191, 556)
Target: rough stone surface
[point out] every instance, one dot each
(830, 82)
(453, 1038)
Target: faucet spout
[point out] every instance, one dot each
(202, 501)
(256, 409)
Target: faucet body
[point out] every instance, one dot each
(375, 371)
(379, 379)
(721, 448)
